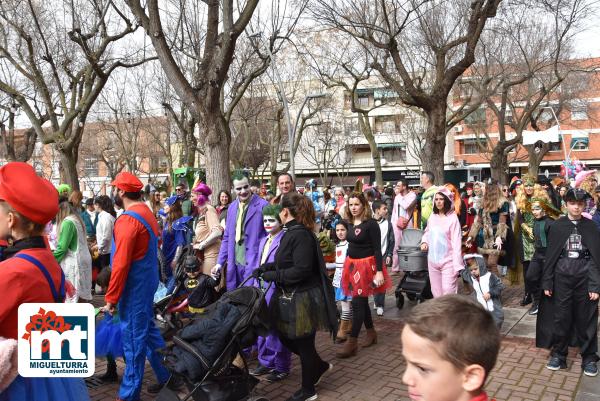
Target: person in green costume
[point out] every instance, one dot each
(429, 191)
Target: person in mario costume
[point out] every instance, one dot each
(133, 281)
(29, 272)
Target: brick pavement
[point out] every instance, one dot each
(375, 374)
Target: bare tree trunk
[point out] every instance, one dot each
(68, 167)
(432, 154)
(217, 152)
(365, 127)
(535, 158)
(499, 165)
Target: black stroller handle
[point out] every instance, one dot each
(260, 284)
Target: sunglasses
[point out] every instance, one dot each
(178, 189)
(504, 189)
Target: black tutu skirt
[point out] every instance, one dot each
(299, 314)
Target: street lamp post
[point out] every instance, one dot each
(291, 130)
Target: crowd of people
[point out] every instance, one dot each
(122, 246)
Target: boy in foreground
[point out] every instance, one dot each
(442, 363)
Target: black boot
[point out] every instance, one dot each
(526, 299)
(111, 371)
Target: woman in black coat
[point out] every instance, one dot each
(303, 302)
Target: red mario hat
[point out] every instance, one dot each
(28, 193)
(127, 182)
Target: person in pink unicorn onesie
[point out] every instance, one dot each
(442, 239)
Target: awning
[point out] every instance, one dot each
(385, 94)
(391, 145)
(547, 136)
(334, 180)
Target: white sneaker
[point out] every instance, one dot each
(379, 311)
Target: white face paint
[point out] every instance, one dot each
(242, 189)
(270, 223)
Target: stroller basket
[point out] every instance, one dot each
(410, 256)
(411, 238)
(209, 372)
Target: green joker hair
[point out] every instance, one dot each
(272, 210)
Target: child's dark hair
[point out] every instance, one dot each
(343, 223)
(447, 204)
(377, 204)
(464, 332)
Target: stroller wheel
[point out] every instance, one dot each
(258, 399)
(400, 301)
(411, 297)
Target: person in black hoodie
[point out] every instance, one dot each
(303, 302)
(552, 193)
(571, 285)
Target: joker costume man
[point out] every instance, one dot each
(243, 232)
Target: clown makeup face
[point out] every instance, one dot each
(477, 190)
(242, 189)
(271, 224)
(537, 210)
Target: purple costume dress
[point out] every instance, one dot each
(271, 352)
(252, 232)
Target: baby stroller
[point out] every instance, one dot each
(204, 351)
(413, 262)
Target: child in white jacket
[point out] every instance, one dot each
(487, 286)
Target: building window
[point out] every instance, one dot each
(546, 115)
(159, 164)
(324, 154)
(285, 157)
(385, 95)
(386, 124)
(361, 154)
(90, 166)
(362, 101)
(579, 111)
(472, 147)
(476, 117)
(351, 126)
(394, 153)
(580, 144)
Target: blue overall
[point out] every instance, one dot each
(46, 388)
(141, 337)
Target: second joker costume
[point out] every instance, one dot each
(243, 232)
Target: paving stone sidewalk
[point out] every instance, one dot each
(375, 374)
